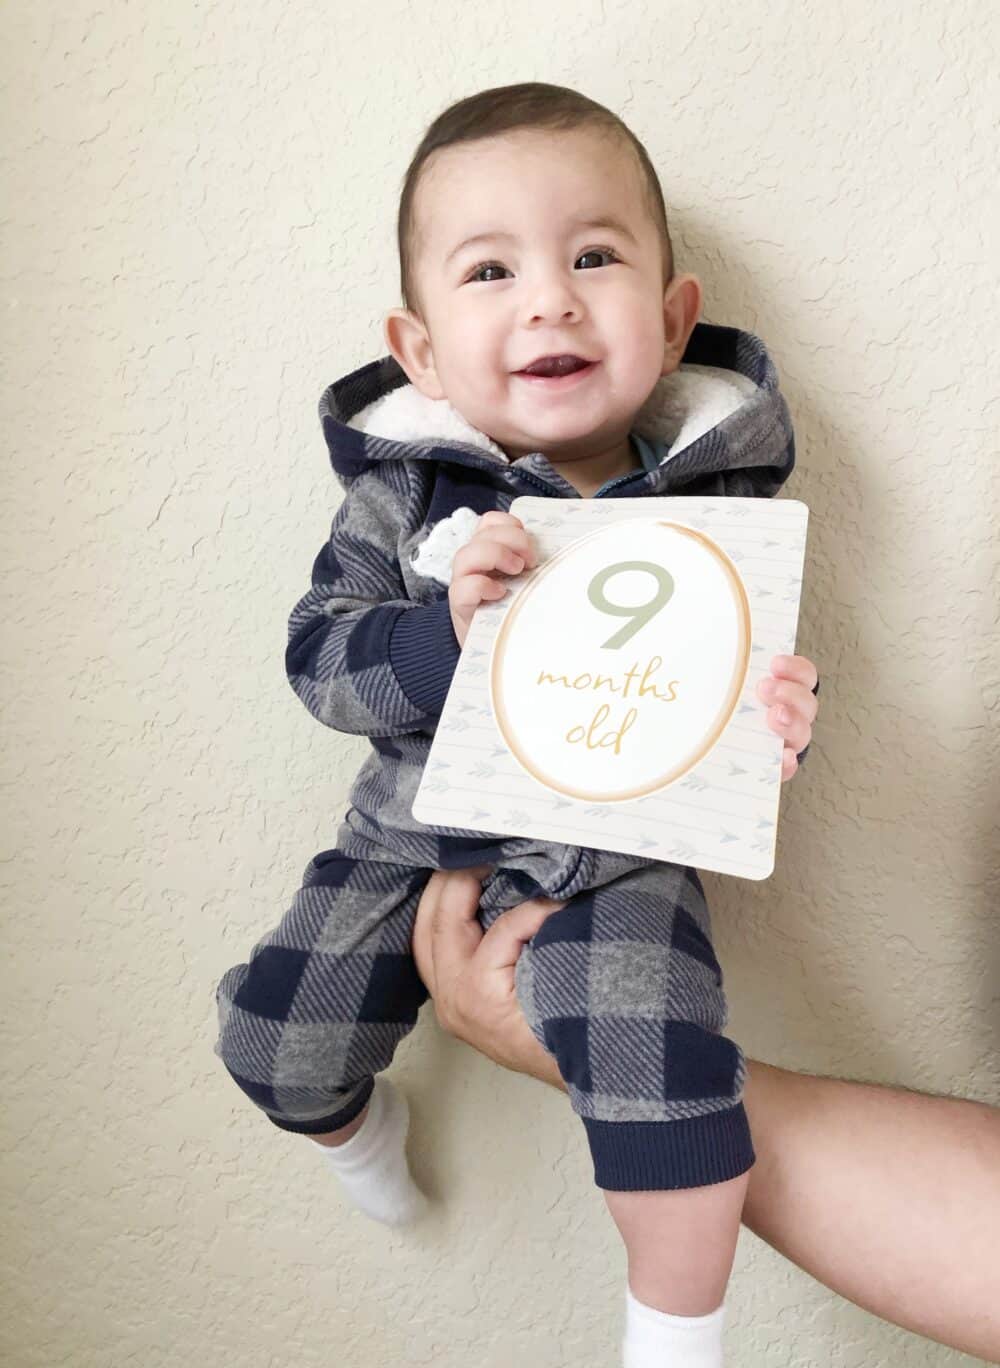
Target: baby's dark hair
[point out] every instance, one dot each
(503, 109)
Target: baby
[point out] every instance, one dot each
(539, 351)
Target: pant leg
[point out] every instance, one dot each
(327, 996)
(623, 987)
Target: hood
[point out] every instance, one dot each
(720, 413)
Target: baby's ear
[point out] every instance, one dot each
(407, 338)
(681, 307)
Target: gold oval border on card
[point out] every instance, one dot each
(726, 711)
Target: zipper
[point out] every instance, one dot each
(550, 490)
(479, 462)
(631, 478)
(623, 479)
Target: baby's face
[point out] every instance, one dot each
(567, 262)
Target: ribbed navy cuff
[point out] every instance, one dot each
(424, 652)
(641, 1156)
(333, 1121)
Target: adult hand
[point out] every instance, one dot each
(469, 973)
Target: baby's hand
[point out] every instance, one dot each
(793, 706)
(499, 546)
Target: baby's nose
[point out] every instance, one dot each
(553, 301)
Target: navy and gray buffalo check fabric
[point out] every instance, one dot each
(621, 985)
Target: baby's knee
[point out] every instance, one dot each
(657, 964)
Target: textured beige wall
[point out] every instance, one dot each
(197, 236)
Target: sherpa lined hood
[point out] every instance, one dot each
(720, 414)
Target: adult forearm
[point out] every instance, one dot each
(890, 1198)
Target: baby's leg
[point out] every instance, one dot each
(680, 1244)
(623, 988)
(319, 1010)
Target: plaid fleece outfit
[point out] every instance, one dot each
(621, 985)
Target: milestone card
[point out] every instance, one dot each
(609, 699)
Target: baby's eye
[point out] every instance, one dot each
(600, 251)
(487, 266)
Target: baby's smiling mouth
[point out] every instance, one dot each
(553, 367)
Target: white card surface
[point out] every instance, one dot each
(609, 700)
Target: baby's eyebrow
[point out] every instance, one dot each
(608, 222)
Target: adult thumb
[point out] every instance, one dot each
(502, 944)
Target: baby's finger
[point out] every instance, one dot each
(468, 591)
(489, 553)
(516, 538)
(792, 695)
(797, 668)
(791, 725)
(494, 516)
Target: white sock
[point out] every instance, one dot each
(655, 1339)
(372, 1165)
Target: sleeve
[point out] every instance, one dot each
(361, 655)
(803, 753)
